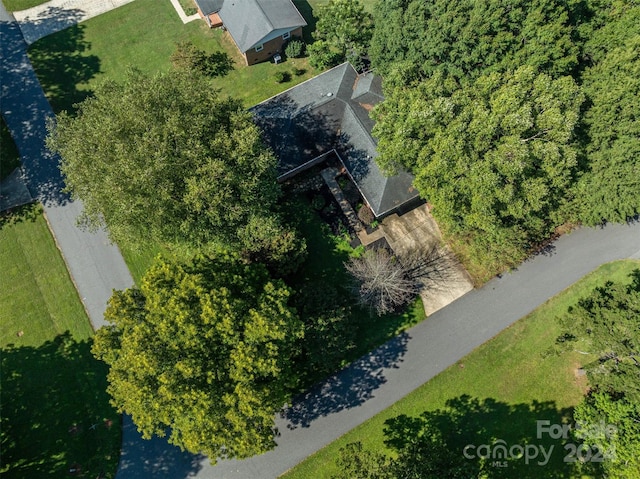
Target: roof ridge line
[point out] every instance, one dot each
(296, 86)
(257, 2)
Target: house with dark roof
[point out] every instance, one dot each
(259, 28)
(328, 115)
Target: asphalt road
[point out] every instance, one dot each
(344, 401)
(380, 379)
(95, 265)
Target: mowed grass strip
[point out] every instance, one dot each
(17, 5)
(38, 297)
(55, 411)
(510, 370)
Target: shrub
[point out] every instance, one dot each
(366, 215)
(318, 202)
(321, 56)
(282, 77)
(383, 281)
(294, 49)
(299, 71)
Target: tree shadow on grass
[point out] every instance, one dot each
(62, 64)
(55, 411)
(22, 214)
(306, 10)
(486, 436)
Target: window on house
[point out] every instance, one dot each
(286, 36)
(260, 47)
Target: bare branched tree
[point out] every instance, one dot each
(384, 281)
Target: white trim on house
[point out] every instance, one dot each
(274, 34)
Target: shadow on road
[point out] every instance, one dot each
(349, 388)
(26, 110)
(142, 459)
(48, 21)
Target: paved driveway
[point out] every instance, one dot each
(95, 265)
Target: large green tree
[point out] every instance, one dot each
(203, 350)
(468, 37)
(610, 188)
(167, 158)
(606, 324)
(494, 157)
(343, 32)
(610, 424)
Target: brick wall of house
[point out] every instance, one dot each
(270, 48)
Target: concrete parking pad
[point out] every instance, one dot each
(417, 230)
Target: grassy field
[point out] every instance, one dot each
(17, 5)
(510, 378)
(70, 63)
(53, 390)
(9, 157)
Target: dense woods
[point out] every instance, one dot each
(515, 117)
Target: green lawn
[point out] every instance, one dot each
(53, 390)
(71, 62)
(9, 157)
(509, 376)
(17, 5)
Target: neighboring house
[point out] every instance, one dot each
(259, 28)
(329, 115)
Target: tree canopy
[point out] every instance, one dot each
(343, 32)
(205, 349)
(606, 324)
(167, 158)
(610, 188)
(516, 118)
(492, 157)
(467, 37)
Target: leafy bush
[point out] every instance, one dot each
(294, 49)
(282, 77)
(321, 56)
(366, 215)
(298, 71)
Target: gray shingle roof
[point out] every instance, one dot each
(330, 111)
(208, 7)
(250, 21)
